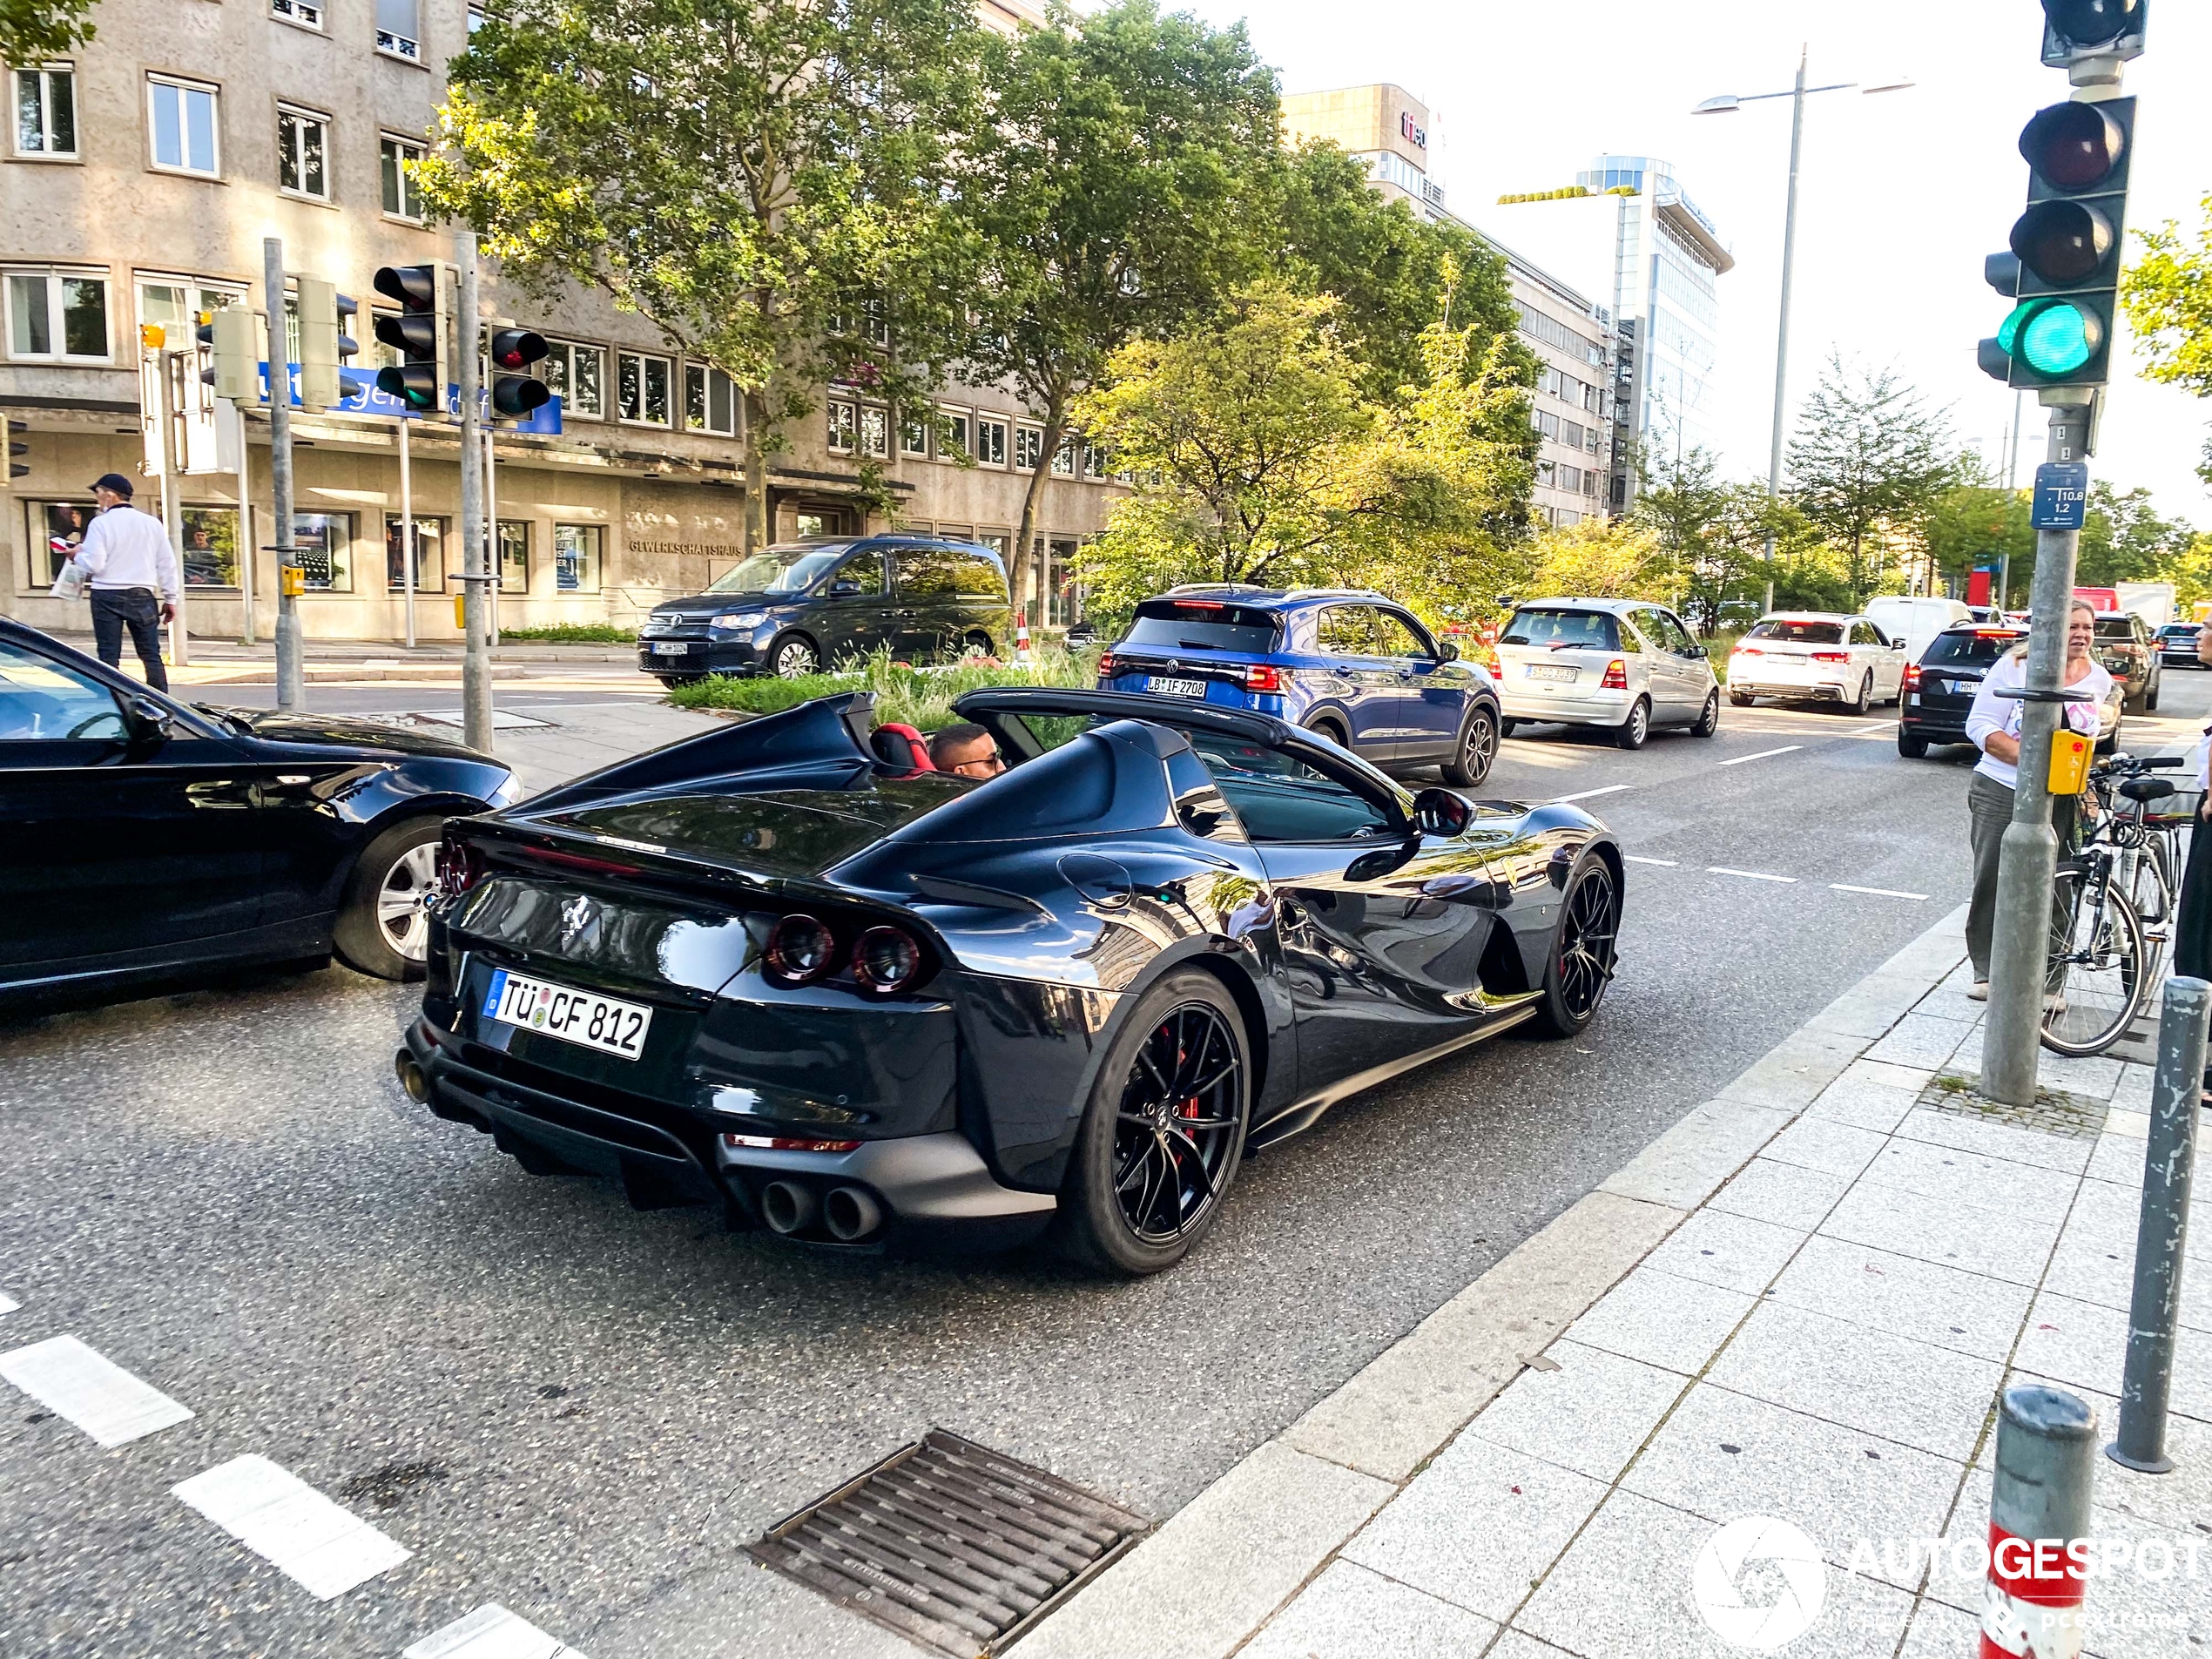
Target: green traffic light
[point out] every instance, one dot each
(2008, 331)
(2058, 338)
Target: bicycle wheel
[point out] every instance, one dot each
(2101, 974)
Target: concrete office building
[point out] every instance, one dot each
(138, 181)
(1393, 134)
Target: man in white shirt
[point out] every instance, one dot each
(1993, 726)
(132, 571)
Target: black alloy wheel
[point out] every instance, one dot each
(1478, 748)
(1709, 718)
(794, 657)
(1165, 1133)
(1585, 951)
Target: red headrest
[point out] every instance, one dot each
(902, 745)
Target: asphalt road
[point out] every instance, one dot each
(582, 1412)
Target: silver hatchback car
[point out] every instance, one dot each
(1625, 664)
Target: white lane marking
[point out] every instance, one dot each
(1665, 863)
(83, 1384)
(1749, 875)
(1879, 893)
(1763, 754)
(8, 1303)
(1610, 789)
(1881, 731)
(323, 1546)
(491, 1632)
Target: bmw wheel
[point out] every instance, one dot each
(1478, 748)
(1631, 732)
(1165, 1132)
(794, 657)
(1708, 720)
(1585, 949)
(382, 928)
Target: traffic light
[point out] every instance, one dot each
(231, 336)
(514, 395)
(2074, 29)
(421, 334)
(2068, 243)
(324, 345)
(16, 468)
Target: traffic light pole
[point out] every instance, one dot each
(290, 675)
(476, 599)
(2019, 950)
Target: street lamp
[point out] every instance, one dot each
(1730, 104)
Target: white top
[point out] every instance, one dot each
(124, 548)
(1993, 713)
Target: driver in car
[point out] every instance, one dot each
(966, 751)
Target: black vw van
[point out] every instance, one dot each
(803, 607)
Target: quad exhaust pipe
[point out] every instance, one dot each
(850, 1214)
(787, 1206)
(411, 1077)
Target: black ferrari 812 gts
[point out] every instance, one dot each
(790, 970)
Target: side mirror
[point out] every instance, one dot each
(845, 588)
(1699, 651)
(1446, 651)
(1438, 812)
(150, 722)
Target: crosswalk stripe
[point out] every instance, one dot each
(322, 1546)
(491, 1632)
(83, 1384)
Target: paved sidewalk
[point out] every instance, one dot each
(549, 744)
(1855, 1262)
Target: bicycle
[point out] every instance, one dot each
(2104, 961)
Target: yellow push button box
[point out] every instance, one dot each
(2069, 762)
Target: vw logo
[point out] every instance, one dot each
(577, 919)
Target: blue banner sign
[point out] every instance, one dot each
(2061, 496)
(544, 421)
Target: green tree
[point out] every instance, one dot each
(1596, 558)
(2123, 539)
(742, 173)
(1867, 465)
(2167, 295)
(1977, 521)
(1108, 197)
(31, 29)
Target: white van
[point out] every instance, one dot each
(1914, 623)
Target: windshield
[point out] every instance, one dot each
(1802, 633)
(1563, 630)
(779, 570)
(2115, 627)
(1976, 648)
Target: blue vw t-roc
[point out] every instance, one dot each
(1350, 664)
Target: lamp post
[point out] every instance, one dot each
(1729, 103)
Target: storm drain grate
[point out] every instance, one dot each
(950, 1544)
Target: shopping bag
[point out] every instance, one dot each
(71, 584)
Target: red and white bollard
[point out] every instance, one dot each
(2039, 1526)
(1023, 658)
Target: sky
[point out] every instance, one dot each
(1900, 194)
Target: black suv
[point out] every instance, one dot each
(1939, 689)
(801, 607)
(2129, 651)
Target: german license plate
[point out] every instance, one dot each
(1175, 687)
(670, 648)
(584, 1018)
(1560, 671)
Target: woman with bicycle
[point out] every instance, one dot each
(1993, 726)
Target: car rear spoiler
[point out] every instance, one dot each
(829, 729)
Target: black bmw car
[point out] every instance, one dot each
(788, 970)
(141, 836)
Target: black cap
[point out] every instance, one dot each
(114, 481)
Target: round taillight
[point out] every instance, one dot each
(799, 949)
(885, 959)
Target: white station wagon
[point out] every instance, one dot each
(1816, 657)
(1620, 663)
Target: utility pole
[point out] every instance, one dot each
(291, 675)
(1782, 328)
(476, 597)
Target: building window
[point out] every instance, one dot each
(475, 16)
(710, 401)
(57, 527)
(173, 306)
(952, 435)
(303, 150)
(577, 375)
(398, 159)
(429, 555)
(1095, 460)
(182, 118)
(1028, 448)
(913, 434)
(325, 545)
(875, 321)
(300, 11)
(513, 556)
(1063, 458)
(57, 316)
(399, 30)
(842, 422)
(875, 432)
(46, 111)
(997, 540)
(576, 549)
(990, 441)
(640, 388)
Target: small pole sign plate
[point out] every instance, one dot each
(2061, 496)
